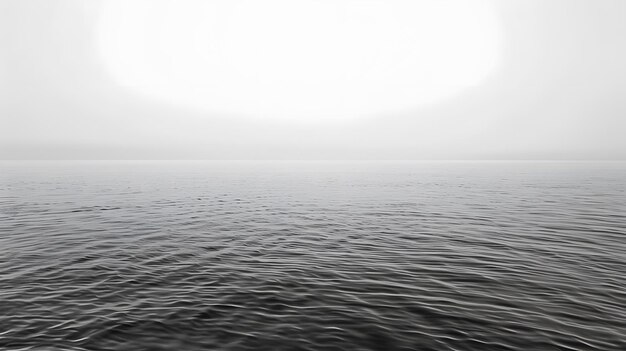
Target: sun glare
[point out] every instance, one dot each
(307, 60)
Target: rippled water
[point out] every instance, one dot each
(312, 256)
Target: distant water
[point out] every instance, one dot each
(312, 256)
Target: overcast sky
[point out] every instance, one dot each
(556, 88)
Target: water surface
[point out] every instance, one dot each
(312, 256)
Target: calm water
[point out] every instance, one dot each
(312, 256)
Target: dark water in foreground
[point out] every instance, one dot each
(313, 256)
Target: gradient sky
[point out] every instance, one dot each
(557, 92)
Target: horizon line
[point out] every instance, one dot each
(310, 160)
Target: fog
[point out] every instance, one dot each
(556, 92)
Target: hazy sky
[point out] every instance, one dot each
(342, 79)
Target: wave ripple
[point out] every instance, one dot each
(313, 256)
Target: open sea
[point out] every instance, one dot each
(352, 256)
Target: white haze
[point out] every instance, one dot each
(556, 92)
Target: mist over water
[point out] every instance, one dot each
(312, 256)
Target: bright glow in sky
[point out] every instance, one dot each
(306, 60)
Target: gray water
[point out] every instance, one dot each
(312, 256)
